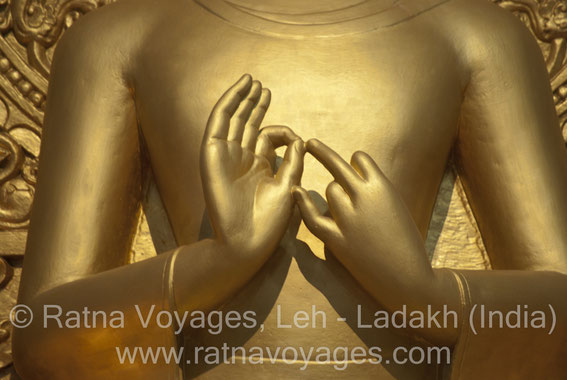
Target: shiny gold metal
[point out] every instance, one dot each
(409, 85)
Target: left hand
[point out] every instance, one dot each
(370, 231)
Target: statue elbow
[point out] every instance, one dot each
(40, 353)
(28, 353)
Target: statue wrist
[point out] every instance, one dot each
(243, 254)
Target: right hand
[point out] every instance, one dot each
(249, 207)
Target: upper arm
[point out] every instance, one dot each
(510, 151)
(89, 176)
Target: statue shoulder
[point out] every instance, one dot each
(482, 32)
(113, 33)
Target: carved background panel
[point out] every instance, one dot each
(29, 31)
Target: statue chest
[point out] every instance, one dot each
(395, 94)
(394, 97)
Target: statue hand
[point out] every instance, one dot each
(370, 230)
(249, 207)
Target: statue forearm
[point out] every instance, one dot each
(395, 289)
(509, 316)
(535, 300)
(130, 298)
(206, 273)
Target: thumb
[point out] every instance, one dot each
(320, 225)
(291, 169)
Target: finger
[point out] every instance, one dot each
(365, 165)
(252, 128)
(242, 114)
(344, 173)
(271, 138)
(291, 169)
(337, 199)
(219, 121)
(213, 166)
(321, 226)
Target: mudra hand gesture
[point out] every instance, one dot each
(249, 206)
(370, 229)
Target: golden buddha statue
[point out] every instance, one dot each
(397, 87)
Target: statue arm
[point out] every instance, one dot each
(513, 163)
(84, 216)
(510, 152)
(514, 166)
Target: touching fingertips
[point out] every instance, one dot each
(311, 144)
(299, 146)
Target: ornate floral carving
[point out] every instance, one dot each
(6, 274)
(547, 19)
(38, 24)
(5, 354)
(11, 157)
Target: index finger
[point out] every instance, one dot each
(343, 173)
(219, 121)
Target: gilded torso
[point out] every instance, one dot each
(384, 80)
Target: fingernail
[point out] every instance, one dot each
(311, 142)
